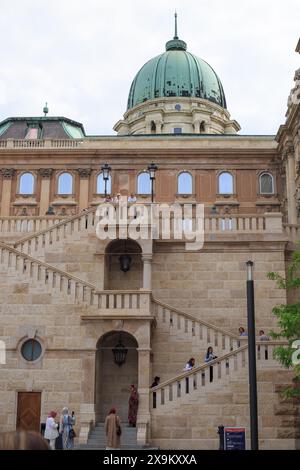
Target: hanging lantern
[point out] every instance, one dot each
(125, 262)
(120, 353)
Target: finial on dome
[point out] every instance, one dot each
(176, 44)
(175, 36)
(46, 109)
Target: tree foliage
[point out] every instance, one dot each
(289, 323)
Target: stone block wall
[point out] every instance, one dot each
(212, 285)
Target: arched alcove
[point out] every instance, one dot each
(123, 265)
(112, 381)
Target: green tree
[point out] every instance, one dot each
(289, 323)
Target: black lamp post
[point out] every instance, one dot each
(252, 357)
(106, 172)
(152, 169)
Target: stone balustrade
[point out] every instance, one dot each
(57, 232)
(176, 322)
(25, 224)
(199, 379)
(87, 220)
(292, 231)
(40, 143)
(75, 290)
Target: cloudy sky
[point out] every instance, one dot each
(81, 55)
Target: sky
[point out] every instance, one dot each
(81, 56)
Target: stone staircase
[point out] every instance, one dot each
(97, 438)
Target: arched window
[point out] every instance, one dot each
(185, 183)
(266, 184)
(101, 184)
(26, 184)
(143, 183)
(65, 183)
(225, 183)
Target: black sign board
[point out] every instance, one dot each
(234, 438)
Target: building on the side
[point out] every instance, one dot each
(83, 318)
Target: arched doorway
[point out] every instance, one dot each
(113, 381)
(123, 265)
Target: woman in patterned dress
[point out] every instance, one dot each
(66, 424)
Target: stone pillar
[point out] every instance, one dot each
(84, 188)
(147, 271)
(143, 418)
(87, 407)
(45, 174)
(196, 126)
(7, 174)
(158, 125)
(291, 185)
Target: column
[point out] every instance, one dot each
(7, 175)
(158, 125)
(45, 174)
(196, 126)
(147, 271)
(84, 174)
(291, 185)
(143, 420)
(87, 407)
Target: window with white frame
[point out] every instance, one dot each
(144, 183)
(26, 185)
(65, 183)
(225, 183)
(185, 183)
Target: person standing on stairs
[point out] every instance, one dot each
(113, 430)
(190, 364)
(210, 356)
(133, 406)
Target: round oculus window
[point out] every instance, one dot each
(31, 350)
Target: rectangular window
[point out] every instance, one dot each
(177, 130)
(32, 133)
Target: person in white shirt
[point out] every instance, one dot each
(51, 432)
(190, 364)
(131, 199)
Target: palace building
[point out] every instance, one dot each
(82, 318)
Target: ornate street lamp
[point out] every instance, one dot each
(106, 172)
(120, 352)
(252, 357)
(152, 169)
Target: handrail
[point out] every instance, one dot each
(79, 289)
(213, 362)
(55, 226)
(46, 265)
(196, 319)
(198, 368)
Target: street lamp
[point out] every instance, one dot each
(252, 356)
(106, 172)
(152, 169)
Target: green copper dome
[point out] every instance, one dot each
(176, 72)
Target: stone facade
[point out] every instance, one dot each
(66, 290)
